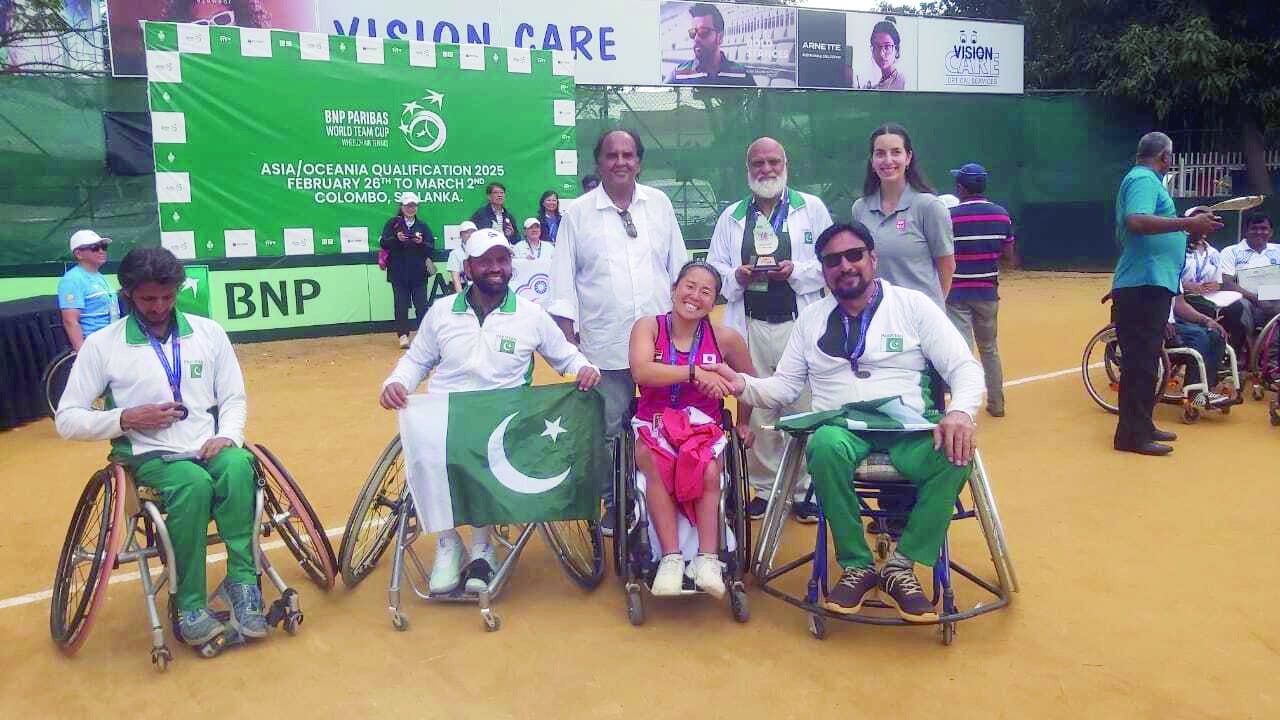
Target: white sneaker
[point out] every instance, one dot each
(446, 572)
(669, 579)
(487, 553)
(404, 342)
(707, 575)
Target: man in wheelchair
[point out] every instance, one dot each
(866, 343)
(175, 417)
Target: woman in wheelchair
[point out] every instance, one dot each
(677, 423)
(164, 373)
(1189, 327)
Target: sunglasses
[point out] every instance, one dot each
(628, 223)
(96, 247)
(222, 19)
(701, 33)
(853, 255)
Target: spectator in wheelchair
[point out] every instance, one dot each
(1190, 328)
(175, 418)
(865, 351)
(484, 339)
(1202, 286)
(677, 423)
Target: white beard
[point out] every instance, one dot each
(767, 188)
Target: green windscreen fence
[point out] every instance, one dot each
(76, 152)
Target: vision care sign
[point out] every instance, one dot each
(271, 143)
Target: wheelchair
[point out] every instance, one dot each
(875, 479)
(1101, 364)
(384, 511)
(1264, 367)
(635, 548)
(117, 521)
(54, 379)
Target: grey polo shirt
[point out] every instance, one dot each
(909, 239)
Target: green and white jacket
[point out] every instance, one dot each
(119, 363)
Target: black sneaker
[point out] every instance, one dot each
(607, 521)
(805, 511)
(848, 595)
(756, 508)
(901, 588)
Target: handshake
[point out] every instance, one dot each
(718, 380)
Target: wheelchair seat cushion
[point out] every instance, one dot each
(877, 467)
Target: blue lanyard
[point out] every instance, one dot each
(779, 218)
(864, 322)
(1201, 266)
(172, 372)
(675, 358)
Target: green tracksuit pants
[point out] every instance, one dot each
(834, 452)
(223, 489)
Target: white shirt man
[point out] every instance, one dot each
(618, 252)
(483, 340)
(763, 300)
(1255, 251)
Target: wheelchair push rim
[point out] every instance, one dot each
(93, 539)
(1100, 370)
(54, 380)
(579, 546)
(300, 530)
(372, 524)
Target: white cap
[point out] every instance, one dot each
(530, 222)
(949, 200)
(466, 225)
(482, 241)
(408, 198)
(80, 238)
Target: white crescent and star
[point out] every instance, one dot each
(511, 478)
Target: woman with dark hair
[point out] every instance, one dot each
(912, 227)
(886, 49)
(549, 215)
(244, 13)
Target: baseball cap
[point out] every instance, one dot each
(80, 238)
(969, 170)
(466, 225)
(485, 240)
(408, 198)
(530, 222)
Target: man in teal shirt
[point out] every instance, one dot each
(85, 298)
(1153, 250)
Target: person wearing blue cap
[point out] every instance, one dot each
(983, 235)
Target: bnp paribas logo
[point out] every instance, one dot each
(423, 128)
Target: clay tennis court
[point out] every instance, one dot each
(1147, 583)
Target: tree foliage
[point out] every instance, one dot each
(26, 20)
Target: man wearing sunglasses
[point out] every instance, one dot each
(865, 352)
(618, 253)
(762, 247)
(709, 65)
(85, 298)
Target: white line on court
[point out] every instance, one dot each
(336, 531)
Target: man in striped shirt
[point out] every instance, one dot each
(983, 235)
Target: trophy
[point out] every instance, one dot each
(766, 243)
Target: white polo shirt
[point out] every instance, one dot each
(807, 217)
(118, 361)
(908, 332)
(468, 355)
(1242, 257)
(606, 280)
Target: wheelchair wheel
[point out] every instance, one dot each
(372, 524)
(55, 378)
(1100, 370)
(739, 488)
(1265, 362)
(579, 546)
(622, 506)
(293, 517)
(88, 555)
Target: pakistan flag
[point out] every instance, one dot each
(883, 414)
(505, 456)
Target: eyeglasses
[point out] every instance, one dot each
(853, 255)
(226, 17)
(883, 47)
(701, 33)
(96, 247)
(629, 223)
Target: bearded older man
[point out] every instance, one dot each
(763, 248)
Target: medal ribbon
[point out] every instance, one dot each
(864, 322)
(172, 372)
(674, 358)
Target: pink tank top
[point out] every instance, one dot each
(653, 400)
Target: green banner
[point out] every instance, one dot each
(271, 143)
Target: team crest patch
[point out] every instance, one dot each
(71, 297)
(808, 237)
(197, 370)
(901, 224)
(893, 343)
(507, 345)
(708, 358)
